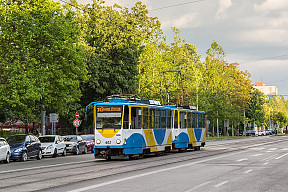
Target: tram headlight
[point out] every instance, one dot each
(118, 141)
(98, 141)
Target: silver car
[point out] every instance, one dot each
(52, 145)
(4, 150)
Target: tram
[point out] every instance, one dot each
(126, 126)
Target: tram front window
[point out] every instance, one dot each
(109, 117)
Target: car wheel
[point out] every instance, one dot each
(55, 153)
(7, 158)
(77, 151)
(64, 152)
(39, 156)
(24, 156)
(85, 150)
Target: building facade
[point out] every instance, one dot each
(268, 90)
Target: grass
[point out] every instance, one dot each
(223, 137)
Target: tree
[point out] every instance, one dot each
(41, 59)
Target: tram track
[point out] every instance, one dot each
(95, 172)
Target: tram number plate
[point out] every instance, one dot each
(107, 142)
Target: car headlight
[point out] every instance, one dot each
(98, 141)
(49, 147)
(118, 141)
(18, 150)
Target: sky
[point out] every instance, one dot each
(253, 33)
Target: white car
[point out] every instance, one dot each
(4, 150)
(52, 145)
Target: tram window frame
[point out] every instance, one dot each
(136, 117)
(183, 114)
(189, 119)
(126, 117)
(204, 120)
(195, 116)
(145, 117)
(175, 117)
(169, 119)
(151, 118)
(163, 119)
(157, 119)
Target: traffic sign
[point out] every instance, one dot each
(77, 115)
(76, 123)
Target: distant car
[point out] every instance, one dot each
(90, 141)
(52, 145)
(24, 147)
(269, 131)
(4, 150)
(251, 133)
(262, 133)
(75, 144)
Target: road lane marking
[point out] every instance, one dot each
(269, 158)
(272, 149)
(281, 156)
(150, 173)
(245, 159)
(46, 166)
(284, 149)
(198, 186)
(220, 184)
(265, 163)
(256, 155)
(248, 171)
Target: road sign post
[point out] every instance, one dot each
(76, 122)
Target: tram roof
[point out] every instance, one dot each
(113, 101)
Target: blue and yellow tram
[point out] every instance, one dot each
(132, 127)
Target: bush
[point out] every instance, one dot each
(5, 134)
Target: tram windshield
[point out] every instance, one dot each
(108, 117)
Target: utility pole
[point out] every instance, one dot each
(217, 126)
(43, 120)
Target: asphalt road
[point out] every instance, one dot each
(249, 164)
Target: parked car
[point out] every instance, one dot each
(89, 140)
(24, 147)
(268, 132)
(4, 150)
(75, 144)
(52, 145)
(251, 133)
(262, 133)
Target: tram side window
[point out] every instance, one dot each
(195, 120)
(163, 119)
(200, 120)
(183, 118)
(145, 118)
(126, 117)
(151, 118)
(136, 117)
(169, 119)
(175, 119)
(157, 118)
(189, 120)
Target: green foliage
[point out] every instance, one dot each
(42, 61)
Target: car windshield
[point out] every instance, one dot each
(88, 137)
(70, 138)
(47, 139)
(16, 139)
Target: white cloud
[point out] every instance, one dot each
(185, 21)
(272, 5)
(273, 36)
(223, 6)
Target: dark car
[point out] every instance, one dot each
(24, 147)
(90, 141)
(75, 144)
